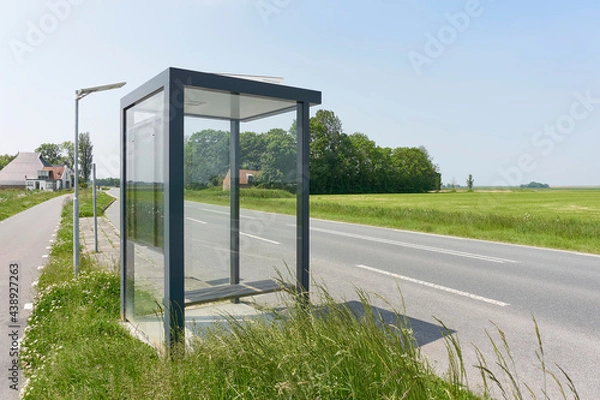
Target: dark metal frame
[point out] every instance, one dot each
(172, 82)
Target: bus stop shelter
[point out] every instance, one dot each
(161, 258)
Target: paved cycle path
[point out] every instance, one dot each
(25, 239)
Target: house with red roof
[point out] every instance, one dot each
(32, 171)
(247, 178)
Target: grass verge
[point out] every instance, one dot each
(86, 205)
(74, 347)
(14, 201)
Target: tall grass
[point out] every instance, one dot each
(75, 349)
(327, 351)
(503, 377)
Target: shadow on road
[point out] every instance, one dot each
(424, 332)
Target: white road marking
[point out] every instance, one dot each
(418, 246)
(41, 267)
(28, 306)
(259, 238)
(435, 286)
(45, 256)
(196, 220)
(464, 239)
(225, 213)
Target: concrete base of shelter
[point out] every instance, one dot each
(198, 320)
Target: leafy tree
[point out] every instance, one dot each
(415, 170)
(470, 181)
(51, 152)
(327, 145)
(438, 181)
(206, 158)
(339, 163)
(58, 153)
(86, 156)
(359, 161)
(5, 159)
(384, 174)
(252, 146)
(278, 161)
(68, 153)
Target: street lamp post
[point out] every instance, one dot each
(80, 94)
(95, 213)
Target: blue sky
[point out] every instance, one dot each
(508, 91)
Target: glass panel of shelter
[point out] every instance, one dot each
(268, 184)
(267, 239)
(144, 202)
(206, 224)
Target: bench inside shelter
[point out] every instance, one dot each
(234, 291)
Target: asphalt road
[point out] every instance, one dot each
(24, 244)
(471, 285)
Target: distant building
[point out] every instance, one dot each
(56, 177)
(31, 171)
(247, 178)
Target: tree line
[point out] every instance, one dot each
(206, 158)
(342, 163)
(339, 163)
(535, 185)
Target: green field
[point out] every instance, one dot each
(577, 204)
(561, 219)
(14, 201)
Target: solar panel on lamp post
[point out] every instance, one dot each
(80, 94)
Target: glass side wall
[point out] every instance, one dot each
(267, 194)
(206, 209)
(145, 137)
(267, 198)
